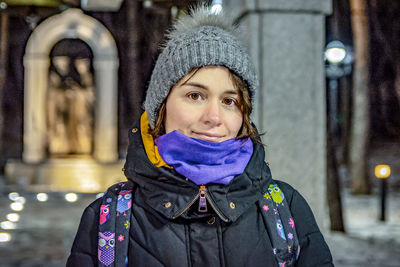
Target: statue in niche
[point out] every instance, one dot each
(70, 106)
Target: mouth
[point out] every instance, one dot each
(212, 137)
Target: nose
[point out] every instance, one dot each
(212, 114)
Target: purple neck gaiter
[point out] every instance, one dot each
(202, 161)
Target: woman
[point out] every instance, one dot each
(199, 191)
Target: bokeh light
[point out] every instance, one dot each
(13, 196)
(71, 197)
(42, 197)
(16, 206)
(7, 225)
(13, 217)
(382, 171)
(5, 237)
(21, 200)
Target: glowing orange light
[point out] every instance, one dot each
(382, 171)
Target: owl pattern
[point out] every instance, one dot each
(104, 213)
(276, 194)
(279, 228)
(106, 245)
(113, 234)
(124, 201)
(280, 224)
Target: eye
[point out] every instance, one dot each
(102, 242)
(194, 96)
(229, 101)
(127, 196)
(276, 189)
(119, 197)
(279, 226)
(111, 242)
(105, 210)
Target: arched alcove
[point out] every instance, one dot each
(71, 24)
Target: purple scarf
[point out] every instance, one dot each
(202, 161)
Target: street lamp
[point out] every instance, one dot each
(335, 52)
(216, 6)
(338, 61)
(382, 172)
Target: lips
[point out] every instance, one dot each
(212, 137)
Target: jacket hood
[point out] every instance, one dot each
(161, 185)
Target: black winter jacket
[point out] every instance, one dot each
(167, 230)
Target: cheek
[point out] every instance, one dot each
(235, 123)
(177, 118)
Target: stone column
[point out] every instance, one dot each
(35, 130)
(286, 41)
(105, 139)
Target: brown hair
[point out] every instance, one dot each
(245, 106)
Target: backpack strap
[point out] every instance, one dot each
(114, 224)
(280, 226)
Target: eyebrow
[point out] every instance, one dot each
(229, 91)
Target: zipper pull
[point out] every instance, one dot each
(203, 200)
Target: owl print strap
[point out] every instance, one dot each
(280, 226)
(114, 224)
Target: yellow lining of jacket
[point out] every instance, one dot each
(149, 146)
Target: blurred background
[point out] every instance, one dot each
(73, 75)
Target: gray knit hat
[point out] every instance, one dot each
(197, 40)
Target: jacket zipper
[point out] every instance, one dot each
(204, 197)
(202, 200)
(215, 209)
(187, 206)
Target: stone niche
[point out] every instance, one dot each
(82, 173)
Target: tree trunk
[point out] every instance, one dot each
(134, 72)
(397, 82)
(359, 136)
(3, 76)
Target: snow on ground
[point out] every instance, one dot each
(368, 241)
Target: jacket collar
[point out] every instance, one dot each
(169, 193)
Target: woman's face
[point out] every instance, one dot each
(205, 105)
